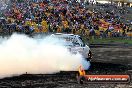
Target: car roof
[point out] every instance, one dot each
(62, 34)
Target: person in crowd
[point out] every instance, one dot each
(66, 16)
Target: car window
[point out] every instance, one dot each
(69, 39)
(72, 40)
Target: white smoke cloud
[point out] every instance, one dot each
(20, 54)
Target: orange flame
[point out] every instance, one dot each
(81, 71)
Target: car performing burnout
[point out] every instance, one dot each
(75, 44)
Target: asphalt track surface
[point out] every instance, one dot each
(112, 60)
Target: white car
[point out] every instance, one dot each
(75, 44)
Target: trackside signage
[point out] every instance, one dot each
(101, 78)
(107, 78)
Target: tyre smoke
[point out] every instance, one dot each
(20, 54)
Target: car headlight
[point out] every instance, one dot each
(90, 55)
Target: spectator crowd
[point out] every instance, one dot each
(61, 16)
